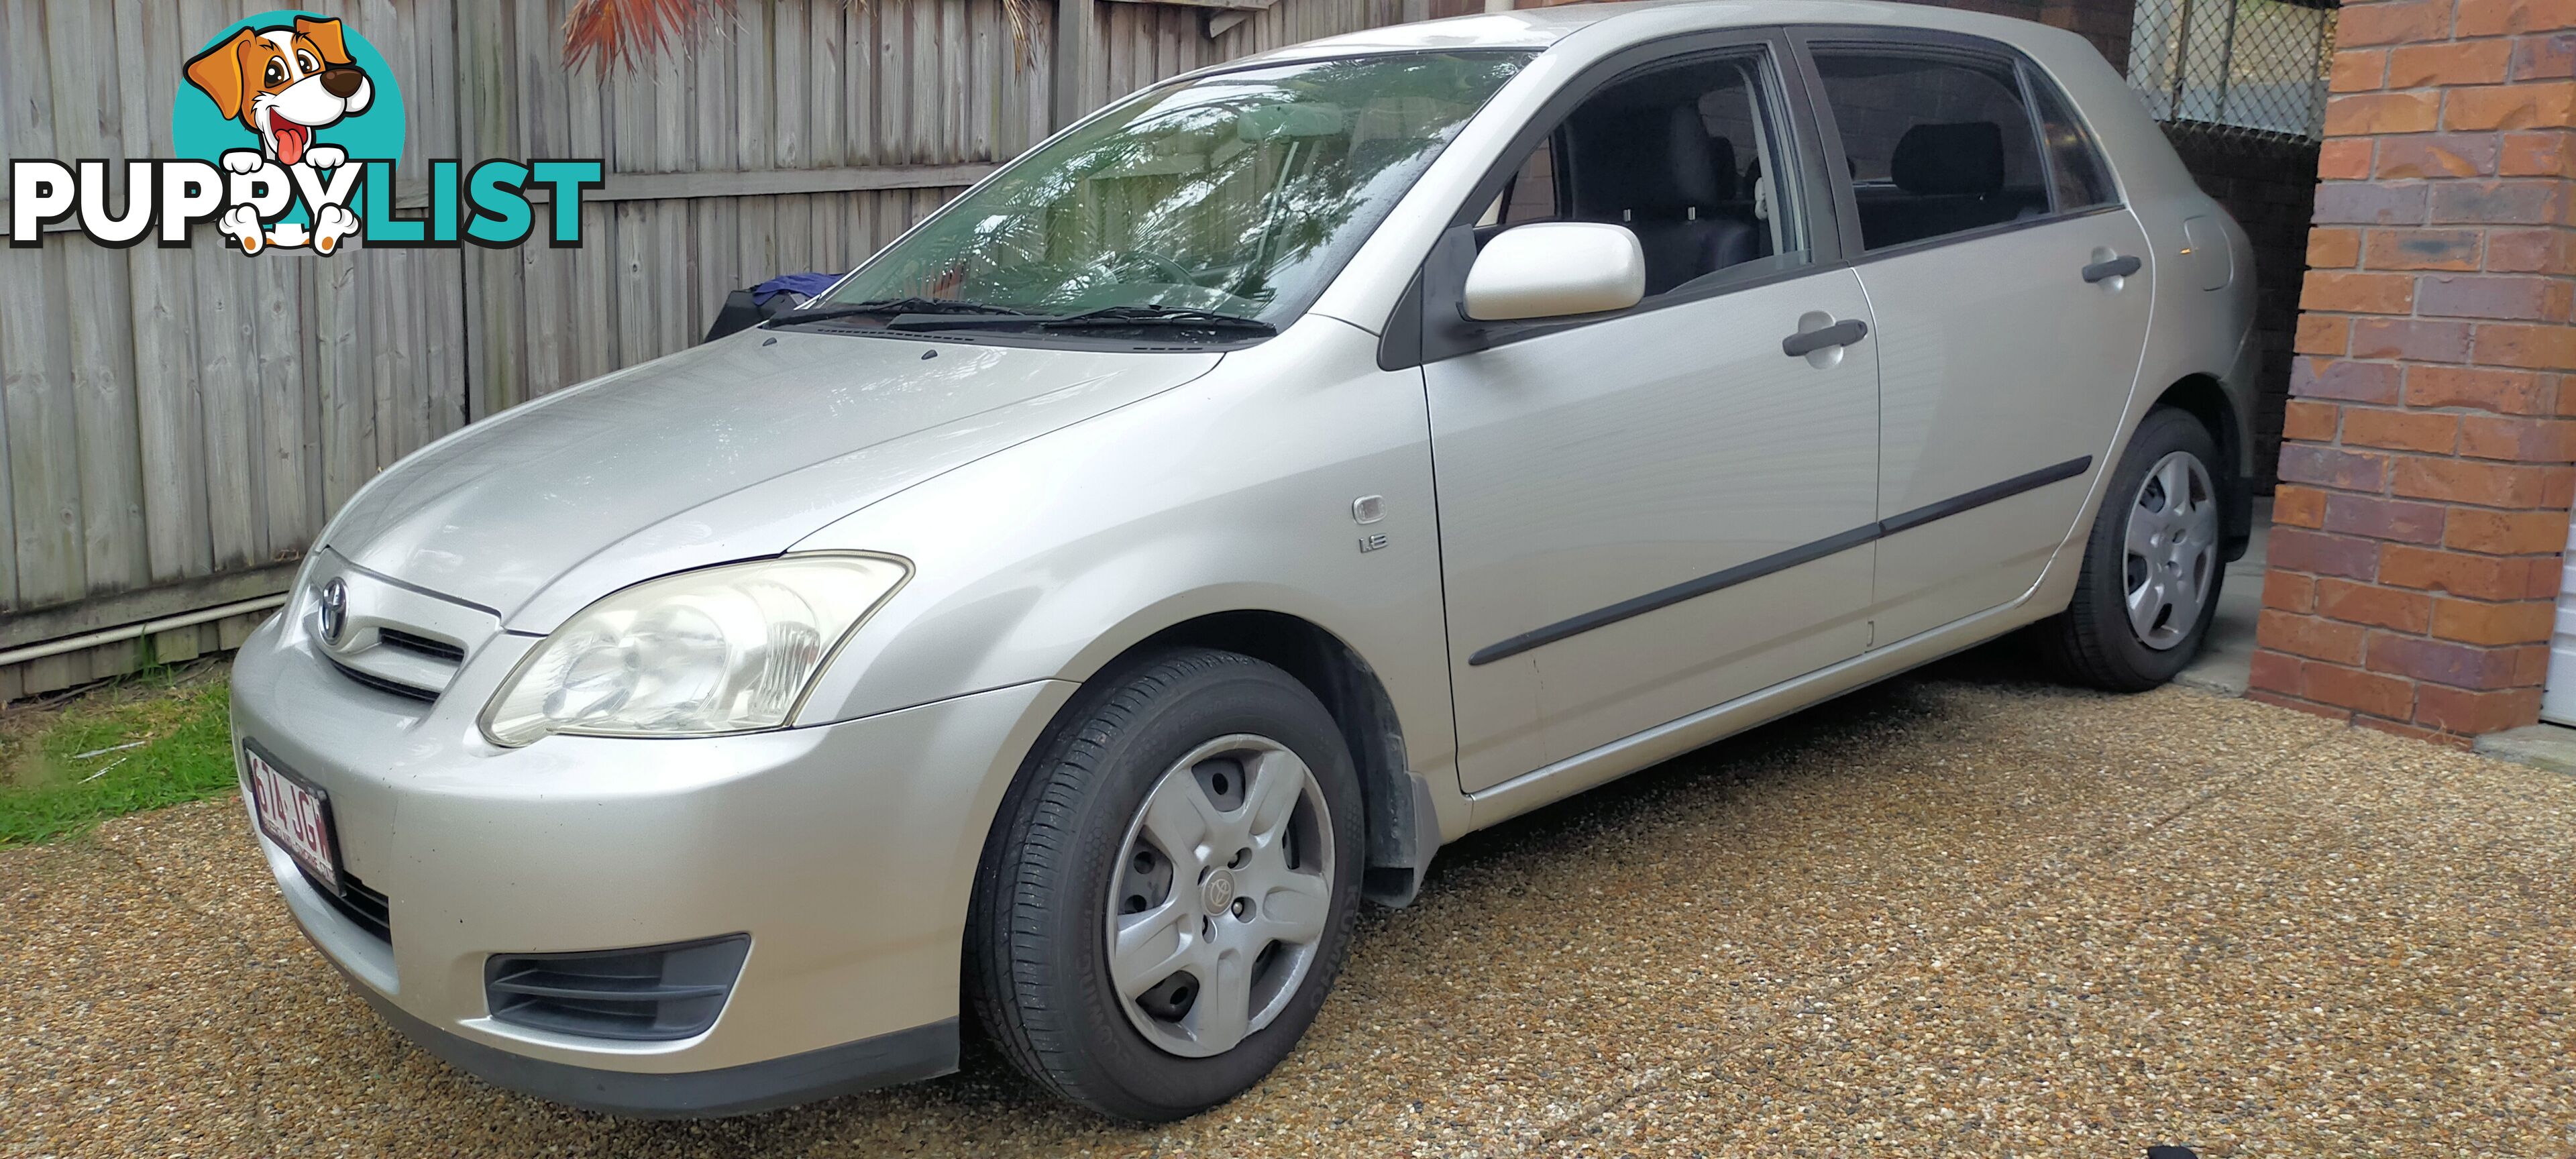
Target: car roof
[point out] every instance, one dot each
(1612, 26)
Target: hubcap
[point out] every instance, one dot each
(1217, 896)
(1220, 895)
(2172, 555)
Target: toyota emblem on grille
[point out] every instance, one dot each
(335, 611)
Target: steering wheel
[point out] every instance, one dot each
(1179, 274)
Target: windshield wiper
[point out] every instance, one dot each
(1176, 317)
(1106, 318)
(981, 319)
(889, 306)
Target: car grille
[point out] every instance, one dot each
(371, 911)
(387, 636)
(423, 645)
(381, 684)
(643, 994)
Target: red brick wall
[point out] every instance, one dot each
(2425, 473)
(2269, 185)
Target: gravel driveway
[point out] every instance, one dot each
(1950, 914)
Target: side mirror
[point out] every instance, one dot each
(1554, 269)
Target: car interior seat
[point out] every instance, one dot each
(1945, 177)
(1673, 185)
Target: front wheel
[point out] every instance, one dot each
(2152, 565)
(1170, 887)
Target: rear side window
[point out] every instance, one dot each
(1936, 142)
(2075, 166)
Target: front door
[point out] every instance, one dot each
(2010, 289)
(1648, 514)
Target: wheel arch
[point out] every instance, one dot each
(1401, 818)
(2204, 398)
(1335, 672)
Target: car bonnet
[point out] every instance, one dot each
(727, 451)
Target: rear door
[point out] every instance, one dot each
(2010, 291)
(1647, 513)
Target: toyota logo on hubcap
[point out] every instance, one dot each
(335, 611)
(1218, 893)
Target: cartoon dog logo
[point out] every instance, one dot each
(284, 84)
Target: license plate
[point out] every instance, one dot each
(297, 815)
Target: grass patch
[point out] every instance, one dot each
(157, 738)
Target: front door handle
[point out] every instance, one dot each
(1806, 342)
(2119, 267)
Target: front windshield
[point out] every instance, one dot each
(1238, 194)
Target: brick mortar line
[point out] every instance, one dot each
(1761, 1030)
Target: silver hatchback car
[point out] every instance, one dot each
(1073, 616)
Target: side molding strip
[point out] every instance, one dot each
(1778, 561)
(1909, 520)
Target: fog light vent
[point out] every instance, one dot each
(654, 992)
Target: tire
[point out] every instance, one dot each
(2096, 641)
(1074, 861)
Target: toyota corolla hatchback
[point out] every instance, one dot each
(1066, 622)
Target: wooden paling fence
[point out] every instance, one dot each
(177, 424)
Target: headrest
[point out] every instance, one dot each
(1721, 167)
(1633, 165)
(1690, 164)
(1963, 157)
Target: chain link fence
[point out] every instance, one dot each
(2240, 88)
(2248, 66)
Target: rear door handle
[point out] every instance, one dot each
(1807, 342)
(2119, 267)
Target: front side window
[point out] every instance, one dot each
(1683, 155)
(1936, 142)
(1238, 194)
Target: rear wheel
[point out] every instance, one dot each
(2153, 564)
(1170, 887)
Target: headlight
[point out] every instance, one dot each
(725, 649)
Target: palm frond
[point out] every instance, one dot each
(610, 34)
(1023, 16)
(628, 33)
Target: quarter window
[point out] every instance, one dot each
(2075, 167)
(1531, 195)
(1936, 143)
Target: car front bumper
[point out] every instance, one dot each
(845, 851)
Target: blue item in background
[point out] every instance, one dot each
(804, 286)
(744, 309)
